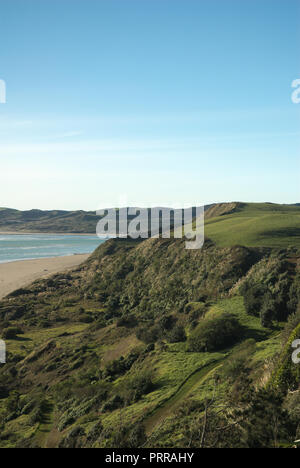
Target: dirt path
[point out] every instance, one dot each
(185, 389)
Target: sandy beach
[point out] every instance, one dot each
(19, 274)
(39, 233)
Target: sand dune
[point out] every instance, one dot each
(16, 275)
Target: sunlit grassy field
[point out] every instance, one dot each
(257, 225)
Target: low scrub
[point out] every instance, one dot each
(214, 334)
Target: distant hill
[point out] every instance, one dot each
(48, 221)
(55, 221)
(226, 224)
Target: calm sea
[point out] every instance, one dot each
(32, 246)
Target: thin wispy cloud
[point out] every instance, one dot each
(70, 134)
(148, 106)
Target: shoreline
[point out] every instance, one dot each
(5, 262)
(23, 233)
(21, 273)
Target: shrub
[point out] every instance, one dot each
(85, 318)
(128, 321)
(11, 333)
(177, 335)
(268, 312)
(127, 436)
(112, 304)
(267, 423)
(293, 322)
(253, 298)
(4, 392)
(136, 385)
(271, 296)
(114, 403)
(215, 334)
(141, 385)
(28, 407)
(198, 308)
(119, 366)
(36, 416)
(73, 439)
(148, 335)
(137, 436)
(95, 432)
(167, 322)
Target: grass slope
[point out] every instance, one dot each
(256, 225)
(79, 359)
(227, 224)
(47, 221)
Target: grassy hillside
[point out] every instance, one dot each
(146, 341)
(226, 224)
(55, 221)
(47, 221)
(254, 225)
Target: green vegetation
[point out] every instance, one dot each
(48, 221)
(149, 344)
(227, 224)
(214, 334)
(256, 225)
(11, 333)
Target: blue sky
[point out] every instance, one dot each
(148, 102)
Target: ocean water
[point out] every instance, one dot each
(32, 246)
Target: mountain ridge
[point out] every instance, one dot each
(252, 224)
